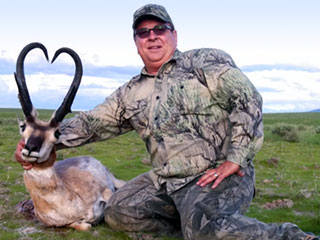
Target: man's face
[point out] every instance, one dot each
(155, 49)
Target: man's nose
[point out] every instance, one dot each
(152, 35)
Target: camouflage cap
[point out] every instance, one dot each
(152, 10)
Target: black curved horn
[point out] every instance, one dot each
(23, 95)
(65, 107)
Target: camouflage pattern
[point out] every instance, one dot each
(197, 112)
(139, 206)
(153, 10)
(204, 213)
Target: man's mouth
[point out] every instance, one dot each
(154, 47)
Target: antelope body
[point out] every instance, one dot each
(72, 192)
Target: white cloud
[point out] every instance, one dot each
(98, 86)
(282, 90)
(291, 90)
(7, 84)
(60, 83)
(280, 107)
(48, 90)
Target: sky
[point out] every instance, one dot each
(274, 42)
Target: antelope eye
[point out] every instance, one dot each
(23, 127)
(57, 134)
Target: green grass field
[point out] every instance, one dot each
(287, 167)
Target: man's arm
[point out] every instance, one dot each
(233, 90)
(245, 117)
(105, 121)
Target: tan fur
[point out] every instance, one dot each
(69, 197)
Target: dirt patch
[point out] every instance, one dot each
(273, 162)
(24, 231)
(26, 209)
(279, 203)
(151, 236)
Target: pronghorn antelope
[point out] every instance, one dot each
(72, 192)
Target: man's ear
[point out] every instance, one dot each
(175, 35)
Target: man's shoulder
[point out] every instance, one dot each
(206, 56)
(205, 51)
(133, 81)
(135, 78)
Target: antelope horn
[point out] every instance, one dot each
(65, 107)
(23, 95)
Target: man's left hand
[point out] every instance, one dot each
(216, 175)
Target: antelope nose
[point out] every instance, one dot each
(32, 147)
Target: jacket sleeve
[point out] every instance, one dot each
(105, 121)
(235, 94)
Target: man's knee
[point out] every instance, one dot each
(124, 219)
(111, 219)
(132, 220)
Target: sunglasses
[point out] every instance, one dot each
(158, 30)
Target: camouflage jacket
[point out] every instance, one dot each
(198, 111)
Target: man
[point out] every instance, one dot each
(201, 121)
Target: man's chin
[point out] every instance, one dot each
(155, 56)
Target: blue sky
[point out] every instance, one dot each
(275, 43)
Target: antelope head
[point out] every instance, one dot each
(41, 136)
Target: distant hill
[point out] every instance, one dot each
(316, 110)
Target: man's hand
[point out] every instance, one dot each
(26, 165)
(218, 174)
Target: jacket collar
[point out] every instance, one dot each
(176, 55)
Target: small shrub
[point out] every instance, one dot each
(287, 132)
(266, 128)
(302, 128)
(8, 121)
(318, 129)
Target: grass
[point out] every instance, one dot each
(284, 170)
